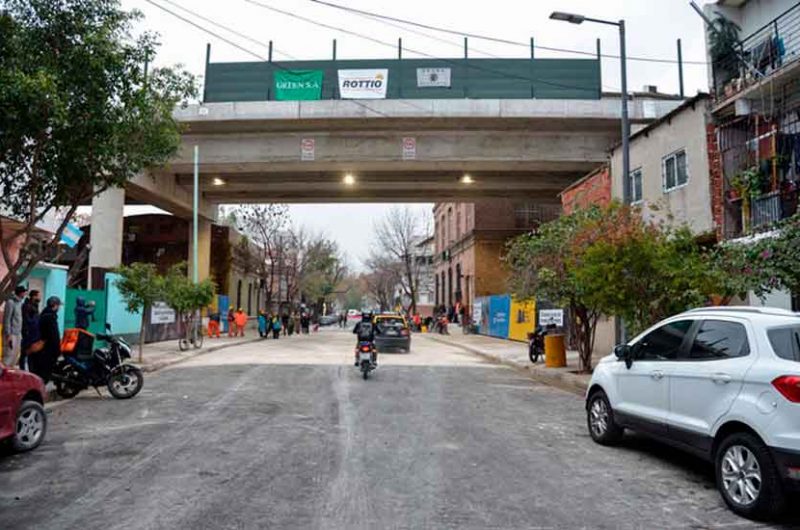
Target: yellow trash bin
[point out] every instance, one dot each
(555, 351)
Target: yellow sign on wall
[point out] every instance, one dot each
(522, 319)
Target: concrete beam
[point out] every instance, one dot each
(162, 190)
(300, 114)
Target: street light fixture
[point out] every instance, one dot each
(626, 126)
(567, 17)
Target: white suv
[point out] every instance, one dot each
(720, 382)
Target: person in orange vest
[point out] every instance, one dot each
(241, 322)
(213, 324)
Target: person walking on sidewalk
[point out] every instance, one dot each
(213, 324)
(31, 343)
(42, 363)
(285, 322)
(231, 322)
(276, 327)
(240, 321)
(12, 327)
(263, 325)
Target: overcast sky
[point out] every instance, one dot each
(653, 28)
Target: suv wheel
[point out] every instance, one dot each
(600, 420)
(747, 478)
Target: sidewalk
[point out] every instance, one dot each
(515, 355)
(158, 355)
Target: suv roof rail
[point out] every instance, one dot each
(746, 309)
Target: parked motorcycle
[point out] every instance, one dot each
(86, 367)
(536, 344)
(366, 354)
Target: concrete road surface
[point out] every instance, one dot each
(285, 434)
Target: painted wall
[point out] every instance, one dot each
(522, 319)
(691, 202)
(499, 309)
(122, 321)
(54, 279)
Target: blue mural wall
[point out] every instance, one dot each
(499, 314)
(122, 321)
(54, 280)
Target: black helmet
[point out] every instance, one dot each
(366, 316)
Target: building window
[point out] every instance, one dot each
(674, 169)
(635, 186)
(449, 225)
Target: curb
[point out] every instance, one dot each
(550, 376)
(53, 397)
(153, 367)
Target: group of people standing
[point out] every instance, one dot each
(284, 323)
(32, 340)
(274, 323)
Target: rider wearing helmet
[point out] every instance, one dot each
(365, 332)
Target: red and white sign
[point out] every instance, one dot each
(307, 148)
(409, 148)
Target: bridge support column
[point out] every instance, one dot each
(203, 249)
(108, 213)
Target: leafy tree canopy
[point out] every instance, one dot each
(80, 112)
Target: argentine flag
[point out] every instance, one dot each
(71, 235)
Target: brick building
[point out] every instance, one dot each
(470, 240)
(594, 188)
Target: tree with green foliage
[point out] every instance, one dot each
(186, 297)
(140, 286)
(640, 270)
(81, 113)
(543, 266)
(183, 295)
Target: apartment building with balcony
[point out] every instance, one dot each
(756, 84)
(755, 80)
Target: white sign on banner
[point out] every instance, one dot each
(477, 309)
(409, 148)
(307, 148)
(433, 77)
(161, 313)
(551, 316)
(363, 84)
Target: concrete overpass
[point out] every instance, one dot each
(261, 151)
(253, 151)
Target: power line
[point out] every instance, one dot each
(206, 30)
(495, 39)
(426, 35)
(424, 54)
(232, 31)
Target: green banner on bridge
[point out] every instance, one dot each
(297, 85)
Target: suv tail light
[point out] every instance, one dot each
(404, 332)
(789, 387)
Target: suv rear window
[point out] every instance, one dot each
(785, 342)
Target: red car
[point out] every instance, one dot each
(22, 416)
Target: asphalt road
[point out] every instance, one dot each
(285, 434)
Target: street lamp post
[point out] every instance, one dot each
(626, 126)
